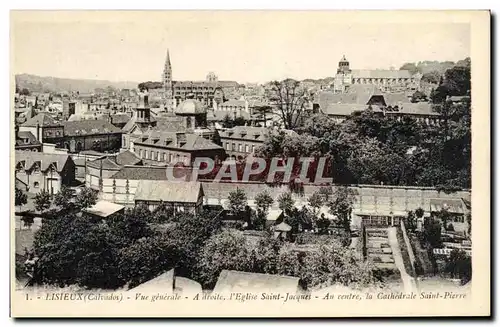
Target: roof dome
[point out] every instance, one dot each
(190, 106)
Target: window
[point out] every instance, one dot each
(159, 156)
(164, 157)
(253, 148)
(234, 147)
(240, 147)
(228, 146)
(36, 184)
(170, 157)
(140, 154)
(152, 154)
(246, 148)
(36, 168)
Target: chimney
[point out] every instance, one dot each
(39, 133)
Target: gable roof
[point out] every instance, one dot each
(89, 127)
(22, 136)
(168, 191)
(42, 119)
(45, 159)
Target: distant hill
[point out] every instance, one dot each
(36, 83)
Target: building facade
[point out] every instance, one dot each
(209, 92)
(241, 141)
(75, 136)
(386, 80)
(44, 171)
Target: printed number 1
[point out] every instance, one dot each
(27, 296)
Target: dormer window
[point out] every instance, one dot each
(181, 144)
(20, 166)
(36, 167)
(26, 141)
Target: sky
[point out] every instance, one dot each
(240, 46)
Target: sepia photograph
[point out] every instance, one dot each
(250, 163)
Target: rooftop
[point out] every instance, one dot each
(168, 191)
(58, 161)
(42, 119)
(104, 209)
(89, 127)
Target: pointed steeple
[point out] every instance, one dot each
(167, 61)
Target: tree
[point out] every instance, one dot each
(459, 265)
(237, 201)
(410, 218)
(42, 201)
(431, 77)
(286, 202)
(445, 217)
(73, 249)
(323, 223)
(342, 205)
(20, 198)
(419, 212)
(64, 197)
(225, 250)
(227, 122)
(316, 201)
(330, 264)
(263, 201)
(432, 232)
(86, 198)
(418, 96)
(411, 67)
(290, 99)
(146, 259)
(262, 111)
(25, 91)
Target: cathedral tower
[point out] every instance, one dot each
(167, 79)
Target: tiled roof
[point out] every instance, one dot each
(343, 109)
(246, 132)
(170, 124)
(120, 118)
(142, 173)
(127, 158)
(168, 191)
(45, 159)
(115, 162)
(219, 115)
(380, 73)
(180, 140)
(88, 127)
(42, 119)
(21, 138)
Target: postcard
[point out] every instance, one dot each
(250, 163)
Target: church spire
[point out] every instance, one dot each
(167, 61)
